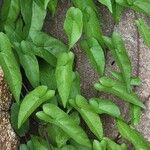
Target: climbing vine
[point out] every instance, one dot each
(39, 70)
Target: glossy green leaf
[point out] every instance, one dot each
(73, 25)
(99, 145)
(67, 124)
(95, 54)
(92, 27)
(32, 101)
(14, 121)
(10, 67)
(111, 86)
(121, 56)
(64, 75)
(107, 3)
(144, 31)
(133, 136)
(54, 46)
(52, 6)
(105, 106)
(9, 12)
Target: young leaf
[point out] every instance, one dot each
(144, 31)
(64, 75)
(73, 25)
(10, 67)
(95, 54)
(121, 56)
(32, 101)
(67, 124)
(133, 136)
(105, 106)
(107, 3)
(114, 87)
(92, 26)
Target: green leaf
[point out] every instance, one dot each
(107, 3)
(95, 54)
(133, 136)
(73, 25)
(68, 147)
(10, 67)
(52, 6)
(32, 101)
(75, 88)
(121, 56)
(99, 145)
(67, 124)
(14, 121)
(39, 143)
(29, 63)
(23, 147)
(9, 12)
(47, 75)
(64, 75)
(43, 40)
(105, 106)
(144, 31)
(92, 27)
(135, 112)
(111, 86)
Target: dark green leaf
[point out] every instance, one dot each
(52, 6)
(10, 67)
(32, 101)
(73, 25)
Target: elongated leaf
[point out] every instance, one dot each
(64, 75)
(10, 67)
(73, 25)
(67, 124)
(121, 56)
(54, 46)
(144, 31)
(95, 54)
(29, 63)
(133, 136)
(9, 12)
(135, 112)
(107, 3)
(114, 87)
(32, 101)
(105, 106)
(92, 26)
(82, 4)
